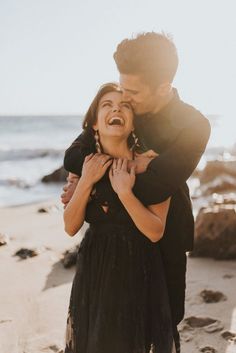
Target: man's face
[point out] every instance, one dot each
(138, 94)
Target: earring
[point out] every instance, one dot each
(135, 143)
(97, 142)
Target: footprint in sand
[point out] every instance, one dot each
(53, 348)
(208, 324)
(208, 349)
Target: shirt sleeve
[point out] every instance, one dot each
(170, 170)
(76, 153)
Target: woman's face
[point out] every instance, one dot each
(114, 116)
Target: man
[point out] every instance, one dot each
(177, 132)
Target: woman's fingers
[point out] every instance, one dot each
(111, 174)
(114, 164)
(119, 163)
(107, 163)
(124, 164)
(132, 170)
(105, 160)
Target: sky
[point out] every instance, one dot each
(54, 54)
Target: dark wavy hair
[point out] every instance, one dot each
(151, 55)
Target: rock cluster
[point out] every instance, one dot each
(57, 176)
(215, 226)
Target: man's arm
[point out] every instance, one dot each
(76, 153)
(167, 172)
(73, 162)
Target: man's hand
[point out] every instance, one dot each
(69, 188)
(142, 160)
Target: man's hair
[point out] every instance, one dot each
(150, 55)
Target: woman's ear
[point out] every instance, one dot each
(95, 126)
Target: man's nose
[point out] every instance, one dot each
(126, 96)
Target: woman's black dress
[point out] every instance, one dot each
(119, 301)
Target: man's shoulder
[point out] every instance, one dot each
(78, 150)
(84, 141)
(186, 115)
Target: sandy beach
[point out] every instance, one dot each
(35, 292)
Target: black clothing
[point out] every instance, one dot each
(119, 301)
(179, 134)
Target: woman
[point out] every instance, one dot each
(119, 301)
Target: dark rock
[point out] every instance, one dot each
(4, 239)
(43, 210)
(210, 296)
(208, 349)
(70, 257)
(215, 233)
(25, 253)
(194, 321)
(57, 176)
(229, 336)
(4, 321)
(48, 209)
(228, 276)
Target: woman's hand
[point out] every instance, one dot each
(94, 167)
(122, 180)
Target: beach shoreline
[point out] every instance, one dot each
(35, 292)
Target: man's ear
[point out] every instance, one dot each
(164, 89)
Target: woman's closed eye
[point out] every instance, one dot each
(107, 104)
(126, 105)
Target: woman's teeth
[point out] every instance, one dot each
(116, 121)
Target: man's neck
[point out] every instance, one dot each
(162, 102)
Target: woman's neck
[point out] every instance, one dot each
(116, 148)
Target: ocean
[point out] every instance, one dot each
(34, 146)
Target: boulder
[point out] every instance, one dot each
(210, 296)
(58, 176)
(70, 257)
(216, 168)
(215, 232)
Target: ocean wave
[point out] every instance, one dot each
(23, 154)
